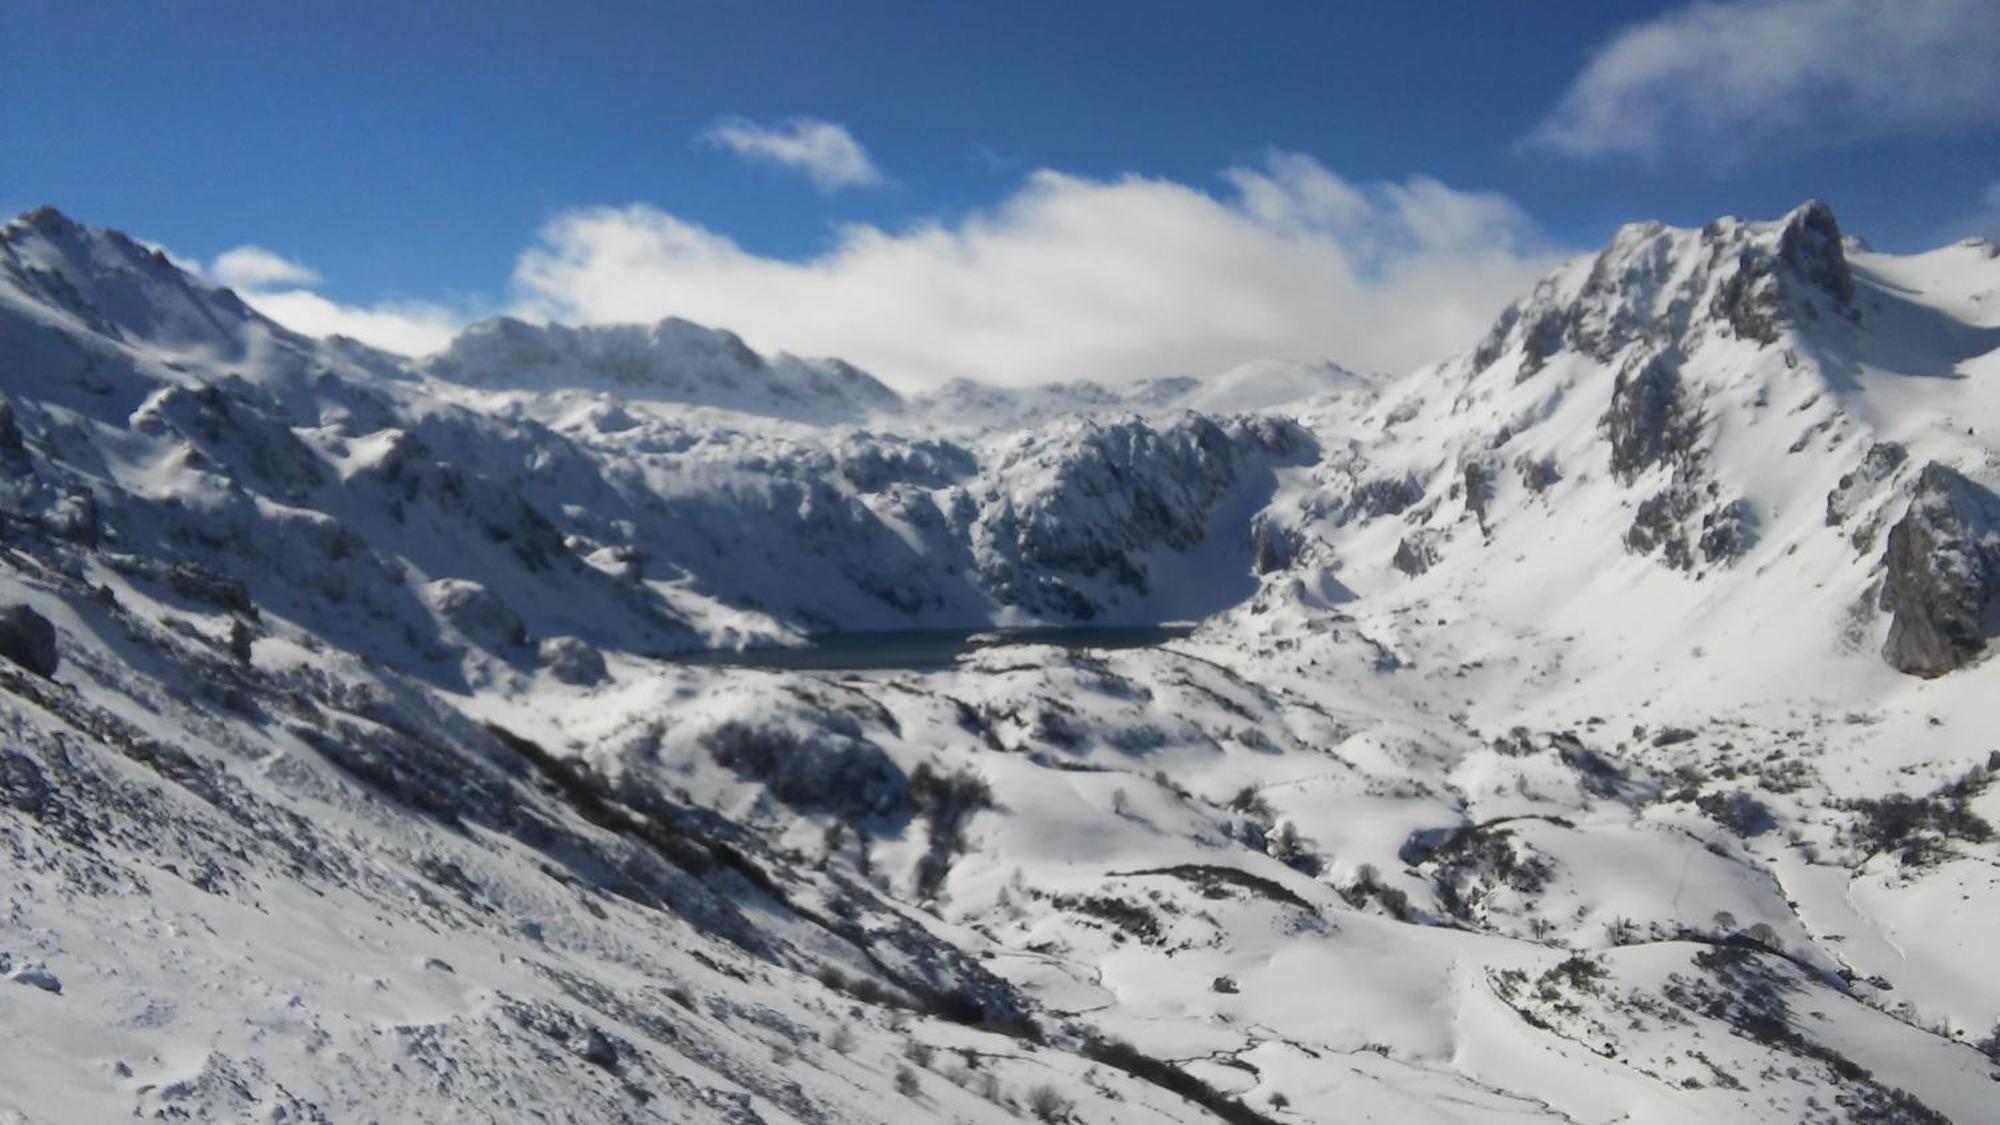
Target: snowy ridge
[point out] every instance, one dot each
(1591, 727)
(672, 361)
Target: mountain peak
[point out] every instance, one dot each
(669, 360)
(1659, 286)
(44, 218)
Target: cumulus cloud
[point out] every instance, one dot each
(1080, 278)
(1985, 222)
(253, 267)
(280, 289)
(1728, 82)
(825, 152)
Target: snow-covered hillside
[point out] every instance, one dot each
(1596, 726)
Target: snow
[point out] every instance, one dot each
(1575, 824)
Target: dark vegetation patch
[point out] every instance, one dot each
(1917, 829)
(1215, 882)
(1123, 1056)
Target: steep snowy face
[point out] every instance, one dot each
(117, 287)
(672, 361)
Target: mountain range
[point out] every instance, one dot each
(1596, 725)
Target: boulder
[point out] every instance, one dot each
(476, 612)
(572, 661)
(27, 639)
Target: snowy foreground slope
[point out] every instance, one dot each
(1593, 727)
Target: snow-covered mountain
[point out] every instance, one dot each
(672, 361)
(1595, 726)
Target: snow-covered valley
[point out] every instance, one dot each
(1596, 726)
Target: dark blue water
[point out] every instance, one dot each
(926, 649)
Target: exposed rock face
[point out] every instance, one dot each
(1095, 500)
(476, 612)
(1856, 488)
(1655, 288)
(572, 661)
(1648, 422)
(1416, 553)
(1941, 584)
(27, 639)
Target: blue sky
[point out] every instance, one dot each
(410, 154)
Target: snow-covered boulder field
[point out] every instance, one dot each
(1596, 726)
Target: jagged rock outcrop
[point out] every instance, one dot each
(476, 612)
(1941, 575)
(572, 661)
(1416, 552)
(1858, 487)
(27, 639)
(1649, 421)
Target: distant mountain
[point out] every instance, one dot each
(672, 361)
(1262, 385)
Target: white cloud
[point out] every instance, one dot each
(411, 328)
(1079, 278)
(827, 153)
(253, 267)
(1985, 222)
(278, 288)
(1728, 82)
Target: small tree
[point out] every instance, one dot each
(842, 1040)
(1048, 1104)
(906, 1082)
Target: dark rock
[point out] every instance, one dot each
(1728, 532)
(13, 453)
(27, 639)
(1941, 581)
(1271, 546)
(1811, 247)
(1659, 524)
(1539, 474)
(1384, 496)
(572, 661)
(598, 1050)
(1416, 553)
(1648, 422)
(197, 583)
(1479, 481)
(1877, 465)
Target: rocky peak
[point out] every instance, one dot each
(1811, 245)
(1658, 287)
